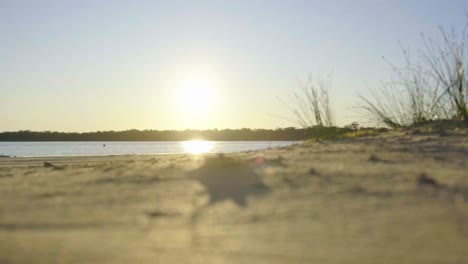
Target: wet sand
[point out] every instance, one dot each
(400, 197)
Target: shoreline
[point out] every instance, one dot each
(84, 149)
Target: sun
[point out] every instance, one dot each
(196, 95)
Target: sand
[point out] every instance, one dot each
(399, 197)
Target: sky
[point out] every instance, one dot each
(116, 65)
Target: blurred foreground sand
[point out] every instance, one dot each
(395, 198)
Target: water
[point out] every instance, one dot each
(44, 149)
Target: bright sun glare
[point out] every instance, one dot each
(196, 95)
(197, 146)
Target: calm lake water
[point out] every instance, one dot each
(42, 149)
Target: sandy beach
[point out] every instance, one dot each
(399, 197)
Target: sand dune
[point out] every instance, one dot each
(399, 197)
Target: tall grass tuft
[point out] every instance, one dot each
(431, 87)
(311, 105)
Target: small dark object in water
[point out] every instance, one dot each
(373, 158)
(104, 145)
(425, 180)
(313, 171)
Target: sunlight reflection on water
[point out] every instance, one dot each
(197, 146)
(96, 148)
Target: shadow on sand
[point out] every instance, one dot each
(227, 179)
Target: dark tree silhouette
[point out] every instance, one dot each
(244, 134)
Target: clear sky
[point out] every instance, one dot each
(115, 65)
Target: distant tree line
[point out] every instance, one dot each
(244, 134)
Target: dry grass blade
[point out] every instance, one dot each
(429, 88)
(311, 105)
